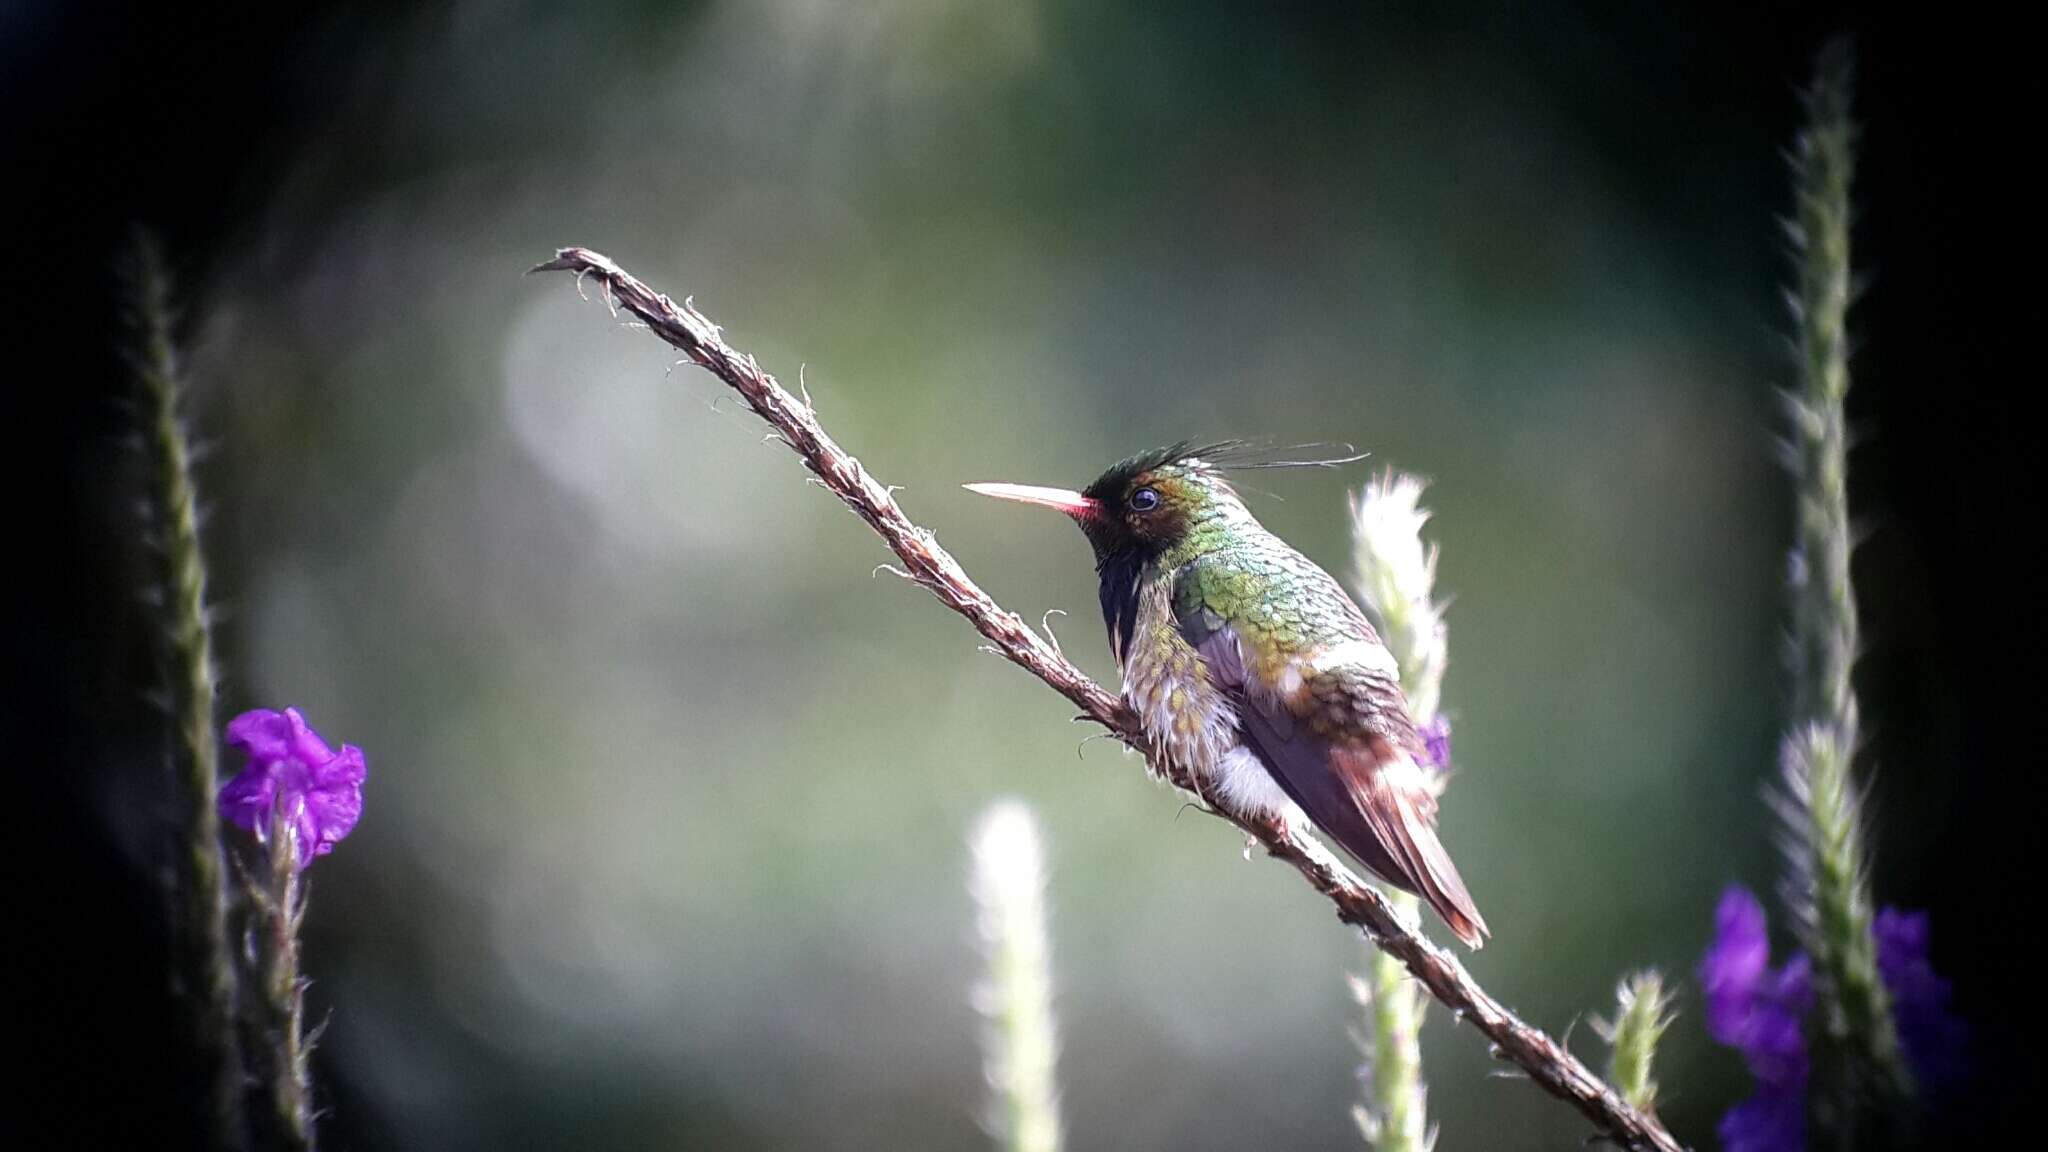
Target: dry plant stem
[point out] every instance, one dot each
(1544, 1060)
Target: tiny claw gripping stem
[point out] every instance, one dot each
(1045, 622)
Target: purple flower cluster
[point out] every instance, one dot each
(293, 774)
(1436, 743)
(1761, 1011)
(1936, 1043)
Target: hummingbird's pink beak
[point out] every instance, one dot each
(1072, 503)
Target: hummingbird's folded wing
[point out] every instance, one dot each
(1329, 744)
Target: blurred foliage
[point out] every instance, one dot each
(667, 797)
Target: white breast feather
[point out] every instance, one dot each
(1243, 784)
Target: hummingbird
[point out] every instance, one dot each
(1253, 670)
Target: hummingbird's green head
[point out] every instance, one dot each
(1143, 507)
(1157, 509)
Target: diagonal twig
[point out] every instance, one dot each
(1546, 1062)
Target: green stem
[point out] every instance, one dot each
(1856, 1057)
(1823, 596)
(1641, 1015)
(280, 909)
(1016, 997)
(1395, 1115)
(190, 690)
(1395, 577)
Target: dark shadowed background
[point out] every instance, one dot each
(664, 844)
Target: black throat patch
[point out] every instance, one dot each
(1119, 573)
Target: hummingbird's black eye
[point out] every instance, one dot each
(1144, 499)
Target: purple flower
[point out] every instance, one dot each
(292, 771)
(1436, 743)
(1760, 1012)
(1734, 964)
(1935, 1040)
(1773, 1120)
(1750, 1007)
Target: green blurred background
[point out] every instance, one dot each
(665, 837)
